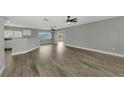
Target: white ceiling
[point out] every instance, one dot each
(59, 21)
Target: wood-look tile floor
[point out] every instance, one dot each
(60, 61)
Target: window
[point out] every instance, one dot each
(17, 34)
(8, 34)
(13, 34)
(45, 35)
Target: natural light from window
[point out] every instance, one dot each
(45, 35)
(13, 34)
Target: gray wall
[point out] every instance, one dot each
(24, 44)
(1, 42)
(106, 35)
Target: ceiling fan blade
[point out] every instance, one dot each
(73, 20)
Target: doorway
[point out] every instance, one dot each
(60, 37)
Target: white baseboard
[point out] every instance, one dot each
(1, 70)
(46, 43)
(23, 52)
(94, 50)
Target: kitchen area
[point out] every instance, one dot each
(8, 43)
(9, 35)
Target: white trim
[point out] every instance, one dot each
(23, 52)
(47, 43)
(55, 42)
(94, 50)
(1, 70)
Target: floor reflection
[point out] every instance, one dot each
(60, 47)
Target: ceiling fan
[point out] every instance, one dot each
(69, 19)
(53, 28)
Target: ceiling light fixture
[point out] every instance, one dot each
(68, 23)
(45, 19)
(53, 28)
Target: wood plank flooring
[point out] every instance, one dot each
(59, 61)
